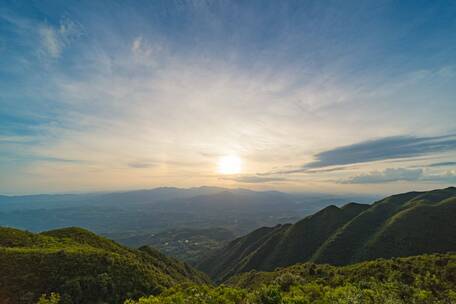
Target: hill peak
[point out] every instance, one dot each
(58, 260)
(394, 226)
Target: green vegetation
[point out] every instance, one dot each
(82, 268)
(338, 255)
(282, 245)
(53, 298)
(401, 225)
(421, 279)
(186, 244)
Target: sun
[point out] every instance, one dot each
(229, 164)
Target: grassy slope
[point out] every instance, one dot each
(267, 248)
(417, 229)
(400, 225)
(81, 265)
(377, 232)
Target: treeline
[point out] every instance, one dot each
(423, 279)
(81, 267)
(75, 266)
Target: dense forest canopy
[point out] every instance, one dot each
(82, 268)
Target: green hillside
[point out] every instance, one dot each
(83, 267)
(400, 225)
(425, 279)
(407, 270)
(268, 248)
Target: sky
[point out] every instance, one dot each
(327, 96)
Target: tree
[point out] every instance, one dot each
(53, 298)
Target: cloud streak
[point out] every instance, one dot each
(55, 39)
(400, 174)
(255, 179)
(385, 176)
(448, 177)
(140, 165)
(443, 164)
(383, 149)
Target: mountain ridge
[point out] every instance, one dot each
(270, 247)
(398, 225)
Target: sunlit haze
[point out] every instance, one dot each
(284, 95)
(230, 164)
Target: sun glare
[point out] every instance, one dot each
(229, 164)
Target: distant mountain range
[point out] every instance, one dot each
(127, 214)
(400, 225)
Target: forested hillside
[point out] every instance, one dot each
(83, 268)
(426, 279)
(400, 225)
(282, 245)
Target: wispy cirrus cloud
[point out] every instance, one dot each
(41, 158)
(442, 164)
(389, 175)
(255, 179)
(175, 85)
(141, 165)
(383, 149)
(394, 148)
(448, 177)
(50, 41)
(54, 39)
(306, 170)
(385, 176)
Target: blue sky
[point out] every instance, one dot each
(339, 96)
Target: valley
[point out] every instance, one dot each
(403, 250)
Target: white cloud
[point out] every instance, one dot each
(191, 107)
(136, 45)
(55, 39)
(448, 177)
(384, 176)
(402, 174)
(146, 53)
(50, 41)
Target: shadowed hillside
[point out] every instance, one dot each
(267, 248)
(400, 225)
